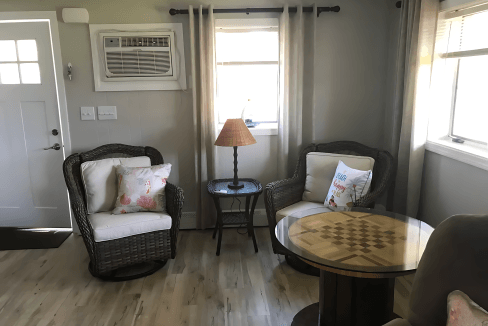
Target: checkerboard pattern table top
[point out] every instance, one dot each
(360, 239)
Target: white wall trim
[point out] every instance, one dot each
(453, 5)
(58, 71)
(465, 153)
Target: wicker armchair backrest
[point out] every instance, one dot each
(383, 160)
(106, 151)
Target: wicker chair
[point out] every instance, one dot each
(108, 257)
(283, 193)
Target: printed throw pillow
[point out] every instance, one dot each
(141, 189)
(348, 185)
(461, 311)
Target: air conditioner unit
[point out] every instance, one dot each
(138, 57)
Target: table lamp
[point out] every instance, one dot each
(235, 133)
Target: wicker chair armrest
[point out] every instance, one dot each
(367, 200)
(386, 163)
(280, 194)
(72, 176)
(174, 206)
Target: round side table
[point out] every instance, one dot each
(359, 253)
(252, 188)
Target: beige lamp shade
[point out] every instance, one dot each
(235, 133)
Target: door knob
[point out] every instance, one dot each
(55, 147)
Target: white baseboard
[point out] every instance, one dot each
(189, 219)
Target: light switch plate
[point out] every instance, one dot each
(87, 113)
(107, 113)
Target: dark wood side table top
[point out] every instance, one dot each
(251, 187)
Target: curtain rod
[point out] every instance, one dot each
(320, 10)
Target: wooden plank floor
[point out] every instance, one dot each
(48, 287)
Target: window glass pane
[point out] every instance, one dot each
(30, 73)
(247, 46)
(7, 51)
(27, 50)
(236, 84)
(471, 107)
(9, 73)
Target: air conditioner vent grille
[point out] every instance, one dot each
(138, 63)
(146, 41)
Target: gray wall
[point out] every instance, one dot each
(351, 73)
(451, 187)
(350, 85)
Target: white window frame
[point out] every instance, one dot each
(236, 25)
(468, 151)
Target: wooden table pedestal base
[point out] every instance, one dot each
(349, 301)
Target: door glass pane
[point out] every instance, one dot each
(471, 110)
(27, 50)
(9, 73)
(7, 51)
(30, 73)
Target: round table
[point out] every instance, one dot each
(359, 252)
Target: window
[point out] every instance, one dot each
(247, 54)
(463, 48)
(19, 62)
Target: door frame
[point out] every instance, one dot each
(51, 18)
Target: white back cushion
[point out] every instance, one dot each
(321, 168)
(101, 183)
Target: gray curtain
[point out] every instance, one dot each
(407, 115)
(202, 45)
(297, 37)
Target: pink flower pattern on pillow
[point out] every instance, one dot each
(125, 200)
(141, 189)
(146, 202)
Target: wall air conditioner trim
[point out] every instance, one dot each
(138, 77)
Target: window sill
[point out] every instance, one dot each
(263, 129)
(469, 153)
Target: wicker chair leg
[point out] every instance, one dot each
(119, 275)
(301, 266)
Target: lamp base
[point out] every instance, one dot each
(232, 186)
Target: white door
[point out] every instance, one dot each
(32, 188)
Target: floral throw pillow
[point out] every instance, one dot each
(141, 189)
(348, 186)
(462, 311)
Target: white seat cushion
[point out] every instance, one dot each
(300, 206)
(110, 227)
(101, 183)
(321, 168)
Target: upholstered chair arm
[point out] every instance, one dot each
(281, 194)
(174, 206)
(398, 322)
